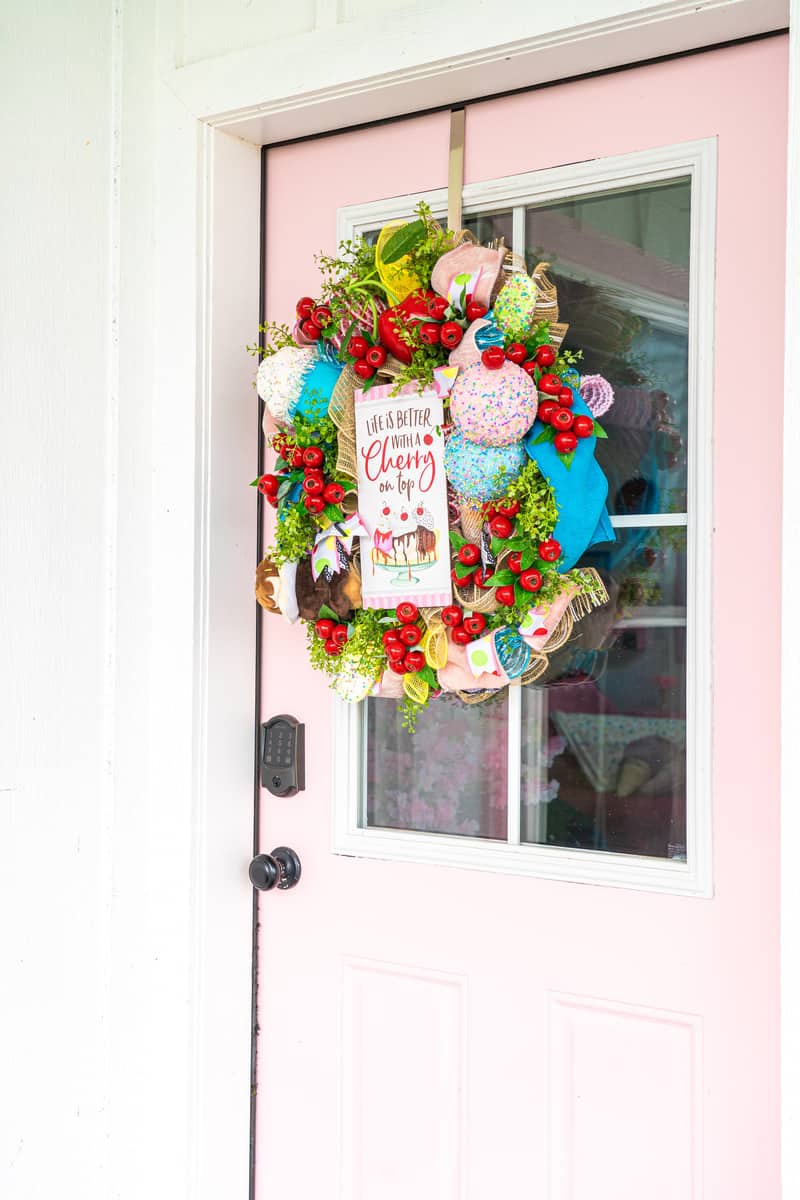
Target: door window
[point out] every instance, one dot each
(599, 766)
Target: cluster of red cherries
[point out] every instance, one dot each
(493, 357)
(440, 332)
(334, 636)
(556, 411)
(400, 642)
(314, 318)
(318, 491)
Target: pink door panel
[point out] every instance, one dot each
(451, 1034)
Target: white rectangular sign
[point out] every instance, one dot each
(402, 496)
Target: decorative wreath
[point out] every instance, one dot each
(435, 481)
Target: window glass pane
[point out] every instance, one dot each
(490, 227)
(451, 776)
(621, 264)
(604, 742)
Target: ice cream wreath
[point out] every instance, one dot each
(435, 480)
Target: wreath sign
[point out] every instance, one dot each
(435, 479)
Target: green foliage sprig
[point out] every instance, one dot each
(294, 535)
(274, 338)
(538, 511)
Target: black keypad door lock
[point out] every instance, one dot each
(281, 869)
(283, 756)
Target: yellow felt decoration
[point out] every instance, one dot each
(395, 277)
(434, 647)
(415, 688)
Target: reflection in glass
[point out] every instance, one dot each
(490, 227)
(604, 742)
(621, 264)
(451, 776)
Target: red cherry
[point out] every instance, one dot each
(312, 331)
(314, 504)
(583, 426)
(297, 457)
(489, 511)
(565, 443)
(565, 397)
(505, 595)
(545, 356)
(414, 661)
(321, 316)
(410, 635)
(430, 334)
(515, 562)
(451, 615)
(461, 636)
(403, 516)
(391, 635)
(333, 494)
(451, 334)
(562, 420)
(407, 612)
(395, 651)
(469, 554)
(500, 526)
(375, 356)
(531, 580)
(517, 353)
(475, 310)
(480, 579)
(386, 510)
(437, 307)
(339, 634)
(313, 457)
(509, 508)
(546, 410)
(358, 346)
(332, 648)
(550, 550)
(268, 485)
(428, 441)
(325, 627)
(493, 358)
(363, 369)
(313, 486)
(550, 384)
(475, 624)
(304, 307)
(461, 580)
(398, 666)
(529, 366)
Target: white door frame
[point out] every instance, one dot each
(180, 863)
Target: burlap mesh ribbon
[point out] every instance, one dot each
(547, 304)
(342, 412)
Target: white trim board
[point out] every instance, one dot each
(698, 160)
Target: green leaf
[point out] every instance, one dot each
(325, 611)
(403, 241)
(498, 546)
(333, 512)
(280, 465)
(547, 435)
(567, 459)
(599, 432)
(284, 487)
(347, 485)
(502, 578)
(529, 557)
(429, 675)
(520, 595)
(462, 579)
(456, 540)
(517, 543)
(255, 481)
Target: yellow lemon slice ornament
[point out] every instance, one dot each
(395, 277)
(415, 688)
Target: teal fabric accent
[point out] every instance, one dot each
(315, 395)
(580, 491)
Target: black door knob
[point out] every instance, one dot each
(280, 869)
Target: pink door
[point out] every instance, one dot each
(534, 948)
